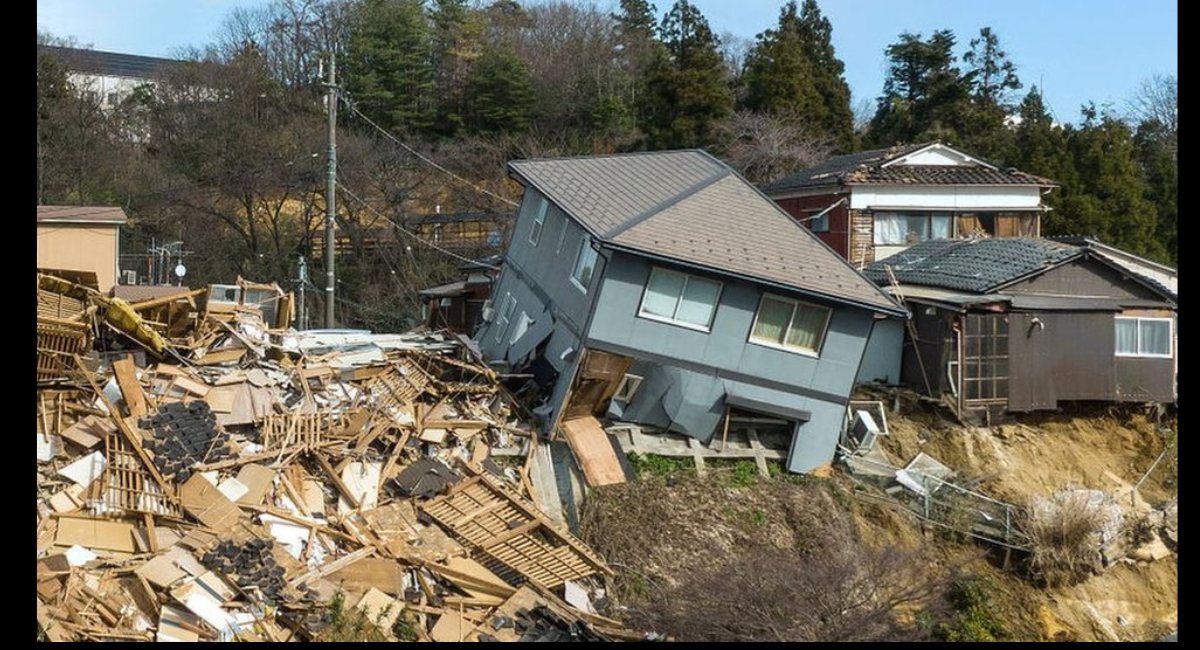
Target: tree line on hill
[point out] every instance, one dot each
(226, 151)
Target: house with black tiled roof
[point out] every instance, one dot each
(873, 204)
(1021, 324)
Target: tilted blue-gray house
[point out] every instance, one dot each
(662, 288)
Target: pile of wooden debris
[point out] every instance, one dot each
(224, 477)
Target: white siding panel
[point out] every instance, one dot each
(966, 197)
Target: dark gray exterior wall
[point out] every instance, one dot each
(539, 278)
(1073, 358)
(885, 347)
(1083, 277)
(818, 386)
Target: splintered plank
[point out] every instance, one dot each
(594, 452)
(126, 375)
(506, 530)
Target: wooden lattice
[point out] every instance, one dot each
(301, 430)
(505, 531)
(58, 342)
(400, 385)
(127, 484)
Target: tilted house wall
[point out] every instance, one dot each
(688, 216)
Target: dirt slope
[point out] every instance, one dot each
(1103, 448)
(665, 535)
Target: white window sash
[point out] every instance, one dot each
(654, 302)
(539, 221)
(1137, 344)
(796, 308)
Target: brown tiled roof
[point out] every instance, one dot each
(80, 214)
(867, 168)
(690, 207)
(942, 175)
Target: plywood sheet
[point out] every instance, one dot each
(202, 500)
(258, 480)
(594, 452)
(96, 534)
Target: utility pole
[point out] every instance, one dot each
(331, 98)
(302, 271)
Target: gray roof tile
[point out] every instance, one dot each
(691, 207)
(978, 265)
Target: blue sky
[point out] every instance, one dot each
(1077, 50)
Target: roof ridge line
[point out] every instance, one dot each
(721, 173)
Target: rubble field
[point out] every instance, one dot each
(206, 473)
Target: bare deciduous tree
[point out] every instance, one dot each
(765, 148)
(1157, 99)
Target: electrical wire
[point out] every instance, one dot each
(423, 158)
(404, 230)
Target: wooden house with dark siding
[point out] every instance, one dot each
(1021, 324)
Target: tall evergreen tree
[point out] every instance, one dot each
(837, 118)
(780, 77)
(1156, 145)
(457, 42)
(501, 93)
(635, 36)
(1041, 148)
(924, 93)
(387, 68)
(993, 74)
(687, 89)
(1109, 198)
(993, 78)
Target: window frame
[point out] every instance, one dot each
(1137, 320)
(927, 218)
(539, 221)
(630, 383)
(808, 352)
(642, 313)
(584, 245)
(818, 221)
(509, 304)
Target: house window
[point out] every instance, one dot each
(539, 221)
(114, 99)
(903, 228)
(1143, 337)
(506, 311)
(585, 265)
(985, 357)
(627, 388)
(790, 324)
(680, 299)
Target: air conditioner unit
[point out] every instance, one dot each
(489, 312)
(129, 276)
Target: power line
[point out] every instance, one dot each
(426, 160)
(404, 230)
